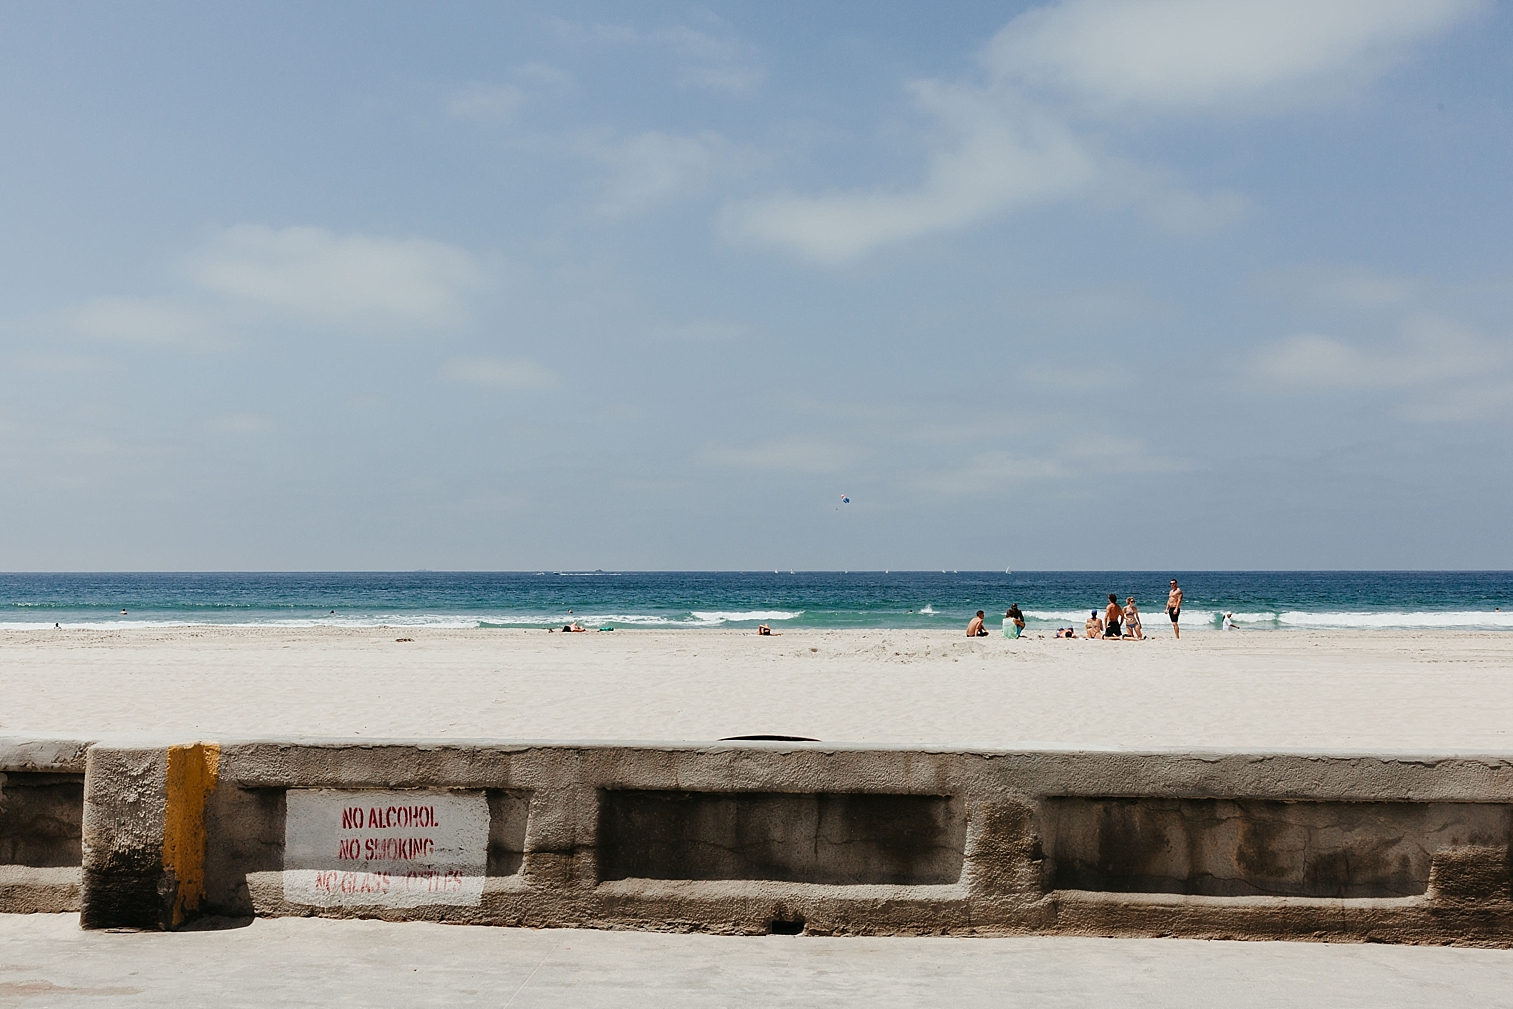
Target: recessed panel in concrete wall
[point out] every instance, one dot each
(508, 812)
(1226, 848)
(40, 817)
(834, 838)
(365, 848)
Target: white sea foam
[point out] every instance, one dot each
(1058, 616)
(1192, 619)
(1400, 619)
(441, 621)
(1250, 618)
(1207, 619)
(725, 616)
(698, 618)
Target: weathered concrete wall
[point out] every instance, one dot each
(41, 803)
(784, 837)
(1231, 848)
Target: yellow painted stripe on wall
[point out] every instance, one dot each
(192, 772)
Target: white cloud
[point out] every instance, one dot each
(544, 75)
(596, 36)
(497, 373)
(1009, 143)
(805, 455)
(998, 158)
(486, 103)
(352, 280)
(491, 102)
(653, 168)
(991, 471)
(1438, 370)
(996, 470)
(1166, 204)
(145, 322)
(1174, 55)
(1348, 286)
(720, 62)
(1429, 351)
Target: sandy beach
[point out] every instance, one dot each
(1418, 691)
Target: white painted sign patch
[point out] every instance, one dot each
(361, 848)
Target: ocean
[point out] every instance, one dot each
(1259, 600)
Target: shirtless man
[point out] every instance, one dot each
(1112, 616)
(975, 629)
(1174, 606)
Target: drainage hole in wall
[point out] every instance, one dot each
(778, 926)
(763, 737)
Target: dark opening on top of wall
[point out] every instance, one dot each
(823, 837)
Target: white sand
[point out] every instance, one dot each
(1299, 690)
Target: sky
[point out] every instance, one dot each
(1149, 284)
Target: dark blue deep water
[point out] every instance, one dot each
(1258, 599)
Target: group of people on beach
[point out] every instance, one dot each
(1124, 621)
(1013, 624)
(1116, 621)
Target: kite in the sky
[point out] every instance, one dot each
(845, 499)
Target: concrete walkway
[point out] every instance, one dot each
(46, 960)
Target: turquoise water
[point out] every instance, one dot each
(1260, 600)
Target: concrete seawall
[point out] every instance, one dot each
(41, 808)
(758, 837)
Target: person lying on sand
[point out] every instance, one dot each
(1066, 632)
(766, 631)
(1093, 627)
(975, 629)
(575, 628)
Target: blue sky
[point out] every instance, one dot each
(1149, 284)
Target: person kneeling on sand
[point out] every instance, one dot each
(1132, 627)
(1093, 627)
(975, 629)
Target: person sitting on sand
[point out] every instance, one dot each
(975, 629)
(1093, 627)
(1132, 620)
(1016, 617)
(1112, 615)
